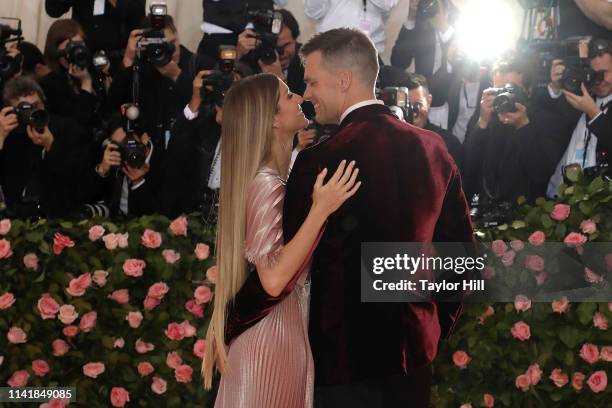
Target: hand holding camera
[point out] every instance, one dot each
(130, 50)
(8, 123)
(486, 107)
(583, 103)
(42, 138)
(111, 158)
(196, 95)
(247, 41)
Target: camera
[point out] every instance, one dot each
(29, 115)
(133, 153)
(154, 47)
(220, 79)
(396, 98)
(9, 66)
(99, 209)
(489, 213)
(323, 132)
(427, 9)
(77, 53)
(267, 25)
(506, 97)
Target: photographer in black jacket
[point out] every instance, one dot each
(40, 159)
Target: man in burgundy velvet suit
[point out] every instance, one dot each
(371, 354)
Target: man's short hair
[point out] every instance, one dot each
(147, 23)
(32, 56)
(416, 80)
(291, 23)
(346, 48)
(21, 86)
(515, 62)
(599, 46)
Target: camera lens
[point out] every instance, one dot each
(38, 119)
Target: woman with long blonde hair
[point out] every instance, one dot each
(258, 338)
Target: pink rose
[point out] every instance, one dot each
(159, 385)
(606, 353)
(488, 401)
(199, 348)
(560, 212)
(578, 380)
(522, 303)
(171, 256)
(589, 353)
(96, 232)
(499, 247)
(190, 331)
(18, 379)
(534, 263)
(93, 370)
(121, 296)
(60, 242)
(466, 405)
(541, 278)
(522, 382)
(488, 272)
(158, 290)
(119, 343)
(30, 261)
(78, 286)
(55, 403)
(175, 332)
(560, 305)
(145, 368)
(202, 251)
(588, 226)
(173, 360)
(574, 239)
(150, 303)
(194, 308)
(202, 294)
(517, 245)
(212, 274)
(600, 321)
(134, 319)
(7, 300)
(60, 347)
(507, 259)
(134, 267)
(122, 240)
(559, 377)
(88, 322)
(592, 277)
(521, 331)
(16, 335)
(110, 241)
(537, 238)
(461, 359)
(534, 373)
(178, 226)
(100, 278)
(143, 347)
(183, 373)
(119, 396)
(5, 249)
(151, 239)
(487, 313)
(5, 226)
(40, 368)
(67, 314)
(70, 331)
(598, 381)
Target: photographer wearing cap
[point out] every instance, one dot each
(591, 140)
(514, 145)
(40, 161)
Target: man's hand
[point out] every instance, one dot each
(135, 175)
(82, 75)
(486, 108)
(516, 119)
(8, 123)
(130, 50)
(44, 139)
(171, 70)
(246, 43)
(112, 157)
(440, 20)
(583, 103)
(274, 68)
(556, 73)
(412, 10)
(196, 94)
(305, 138)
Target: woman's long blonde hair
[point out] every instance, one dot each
(246, 138)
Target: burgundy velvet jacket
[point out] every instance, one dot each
(411, 192)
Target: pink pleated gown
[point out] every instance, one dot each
(270, 364)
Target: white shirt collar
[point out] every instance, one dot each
(360, 105)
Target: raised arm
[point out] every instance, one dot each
(57, 8)
(316, 9)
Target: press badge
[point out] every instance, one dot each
(364, 25)
(98, 9)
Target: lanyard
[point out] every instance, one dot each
(365, 6)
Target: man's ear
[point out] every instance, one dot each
(346, 78)
(429, 99)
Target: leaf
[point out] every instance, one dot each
(596, 185)
(546, 221)
(585, 312)
(573, 173)
(66, 224)
(518, 224)
(586, 207)
(521, 200)
(40, 278)
(570, 336)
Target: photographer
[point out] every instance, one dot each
(107, 23)
(33, 64)
(591, 141)
(514, 145)
(40, 161)
(165, 72)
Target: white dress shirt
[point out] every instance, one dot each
(331, 14)
(360, 105)
(468, 101)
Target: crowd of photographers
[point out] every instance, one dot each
(116, 118)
